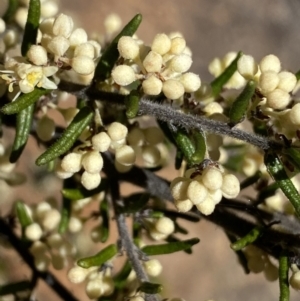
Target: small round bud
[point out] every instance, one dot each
(164, 225)
(181, 63)
(62, 174)
(51, 219)
(155, 235)
(268, 81)
(247, 66)
(173, 89)
(123, 75)
(212, 178)
(78, 36)
(58, 45)
(152, 85)
(101, 142)
(63, 26)
(191, 82)
(122, 168)
(136, 137)
(38, 248)
(179, 187)
(75, 224)
(92, 162)
(137, 298)
(230, 186)
(83, 65)
(184, 206)
(178, 44)
(228, 58)
(196, 192)
(215, 67)
(213, 108)
(215, 195)
(37, 55)
(295, 280)
(112, 23)
(71, 162)
(41, 209)
(125, 155)
(90, 180)
(45, 128)
(85, 49)
(278, 99)
(287, 81)
(33, 232)
(207, 206)
(117, 131)
(270, 63)
(46, 26)
(94, 288)
(151, 155)
(294, 114)
(271, 272)
(153, 267)
(55, 240)
(42, 262)
(2, 26)
(154, 135)
(49, 9)
(161, 44)
(153, 62)
(128, 47)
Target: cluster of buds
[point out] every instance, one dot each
(148, 144)
(258, 261)
(160, 68)
(204, 188)
(98, 283)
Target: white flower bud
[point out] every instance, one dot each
(45, 128)
(196, 192)
(161, 44)
(123, 75)
(78, 36)
(155, 235)
(21, 16)
(83, 65)
(136, 137)
(51, 219)
(294, 114)
(164, 225)
(71, 162)
(58, 45)
(41, 209)
(128, 48)
(42, 262)
(62, 174)
(228, 58)
(75, 224)
(153, 267)
(152, 85)
(295, 280)
(213, 108)
(191, 82)
(215, 195)
(85, 49)
(92, 162)
(184, 205)
(207, 206)
(153, 62)
(77, 274)
(101, 142)
(178, 44)
(63, 26)
(125, 155)
(97, 48)
(179, 187)
(154, 135)
(46, 26)
(94, 288)
(37, 55)
(270, 63)
(230, 186)
(151, 155)
(90, 180)
(215, 67)
(10, 37)
(2, 26)
(212, 178)
(287, 81)
(271, 272)
(33, 232)
(55, 240)
(117, 144)
(49, 9)
(117, 131)
(173, 89)
(137, 298)
(122, 168)
(181, 63)
(112, 23)
(268, 81)
(247, 66)
(278, 99)
(38, 248)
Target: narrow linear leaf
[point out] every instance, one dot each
(171, 247)
(13, 288)
(251, 180)
(200, 147)
(135, 202)
(298, 75)
(111, 54)
(172, 238)
(68, 138)
(284, 277)
(268, 191)
(65, 216)
(222, 79)
(104, 213)
(240, 106)
(32, 26)
(278, 173)
(11, 9)
(150, 288)
(23, 101)
(100, 258)
(121, 278)
(248, 239)
(293, 155)
(132, 104)
(22, 214)
(23, 127)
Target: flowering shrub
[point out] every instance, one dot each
(136, 106)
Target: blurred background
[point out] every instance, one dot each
(211, 28)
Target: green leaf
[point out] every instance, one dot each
(111, 53)
(104, 213)
(248, 239)
(284, 277)
(100, 258)
(65, 216)
(23, 127)
(171, 247)
(68, 138)
(121, 278)
(23, 216)
(200, 147)
(32, 26)
(150, 288)
(278, 173)
(135, 202)
(222, 79)
(293, 155)
(11, 9)
(13, 288)
(23, 101)
(251, 180)
(132, 104)
(240, 106)
(267, 191)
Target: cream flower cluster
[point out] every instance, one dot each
(274, 84)
(98, 283)
(163, 67)
(258, 261)
(218, 65)
(204, 189)
(48, 246)
(148, 144)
